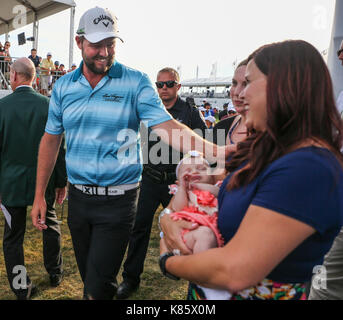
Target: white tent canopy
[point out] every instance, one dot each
(35, 10)
(15, 14)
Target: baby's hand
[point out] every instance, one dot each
(205, 187)
(184, 181)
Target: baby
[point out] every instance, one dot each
(196, 200)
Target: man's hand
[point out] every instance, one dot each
(38, 213)
(61, 194)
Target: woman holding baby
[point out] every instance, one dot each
(280, 206)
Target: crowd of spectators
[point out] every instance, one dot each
(48, 71)
(213, 115)
(5, 59)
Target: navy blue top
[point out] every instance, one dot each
(306, 185)
(35, 60)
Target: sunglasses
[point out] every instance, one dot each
(169, 84)
(339, 52)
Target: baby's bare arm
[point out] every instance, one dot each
(206, 187)
(180, 200)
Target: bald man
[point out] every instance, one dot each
(23, 115)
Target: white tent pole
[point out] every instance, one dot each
(71, 39)
(7, 37)
(335, 66)
(35, 32)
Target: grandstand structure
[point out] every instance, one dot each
(15, 14)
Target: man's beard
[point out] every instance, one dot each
(89, 62)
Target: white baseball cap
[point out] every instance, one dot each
(211, 119)
(49, 54)
(97, 24)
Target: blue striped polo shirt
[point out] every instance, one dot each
(102, 124)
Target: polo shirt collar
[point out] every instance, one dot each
(116, 71)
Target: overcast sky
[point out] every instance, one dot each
(190, 33)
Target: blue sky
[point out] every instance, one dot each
(190, 33)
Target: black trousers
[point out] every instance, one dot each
(13, 243)
(100, 227)
(151, 196)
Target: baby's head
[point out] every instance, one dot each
(196, 167)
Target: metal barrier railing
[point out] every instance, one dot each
(206, 94)
(4, 72)
(51, 76)
(3, 81)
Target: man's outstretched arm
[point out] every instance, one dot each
(184, 139)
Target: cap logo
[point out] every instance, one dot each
(101, 18)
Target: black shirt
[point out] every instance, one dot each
(185, 114)
(224, 126)
(223, 114)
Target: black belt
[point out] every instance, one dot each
(159, 176)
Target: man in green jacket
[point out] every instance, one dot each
(23, 115)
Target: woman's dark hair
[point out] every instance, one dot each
(300, 106)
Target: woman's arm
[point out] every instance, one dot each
(172, 231)
(262, 241)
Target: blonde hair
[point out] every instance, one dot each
(171, 71)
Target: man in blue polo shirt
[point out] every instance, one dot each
(34, 58)
(100, 107)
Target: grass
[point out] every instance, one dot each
(153, 286)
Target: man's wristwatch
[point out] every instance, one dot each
(163, 260)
